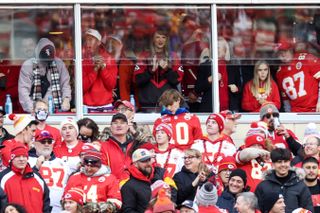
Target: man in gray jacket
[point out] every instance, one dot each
(44, 76)
(282, 180)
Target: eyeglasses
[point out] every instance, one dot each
(145, 161)
(123, 109)
(189, 157)
(43, 142)
(91, 162)
(275, 115)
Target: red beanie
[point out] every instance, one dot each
(75, 194)
(255, 139)
(227, 163)
(218, 118)
(163, 203)
(164, 127)
(18, 150)
(92, 153)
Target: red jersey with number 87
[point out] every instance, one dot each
(297, 84)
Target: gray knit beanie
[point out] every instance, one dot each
(207, 195)
(268, 108)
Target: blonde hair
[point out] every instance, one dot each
(223, 43)
(256, 81)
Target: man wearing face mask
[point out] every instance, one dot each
(41, 114)
(44, 76)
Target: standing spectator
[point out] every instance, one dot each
(70, 147)
(115, 151)
(237, 184)
(73, 200)
(185, 126)
(277, 133)
(193, 174)
(295, 76)
(96, 181)
(52, 169)
(206, 198)
(310, 166)
(99, 74)
(157, 71)
(211, 147)
(24, 130)
(41, 114)
(19, 177)
(188, 206)
(4, 134)
(136, 192)
(44, 76)
(167, 156)
(284, 181)
(193, 52)
(247, 202)
(254, 159)
(204, 79)
(274, 203)
(260, 89)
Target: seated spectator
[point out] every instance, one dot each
(73, 200)
(226, 166)
(157, 71)
(41, 113)
(44, 76)
(295, 77)
(19, 177)
(260, 89)
(206, 198)
(88, 131)
(193, 174)
(188, 206)
(237, 184)
(71, 147)
(99, 74)
(52, 169)
(96, 181)
(204, 79)
(247, 202)
(274, 203)
(167, 156)
(24, 130)
(285, 181)
(185, 126)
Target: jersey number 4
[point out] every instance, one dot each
(288, 85)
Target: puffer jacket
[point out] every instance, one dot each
(296, 194)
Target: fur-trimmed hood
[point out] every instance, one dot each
(297, 175)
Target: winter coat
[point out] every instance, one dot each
(136, 192)
(5, 135)
(296, 194)
(227, 201)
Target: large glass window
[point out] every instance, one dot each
(36, 56)
(137, 52)
(274, 54)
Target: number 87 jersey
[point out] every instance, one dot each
(297, 84)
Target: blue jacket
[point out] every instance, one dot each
(226, 201)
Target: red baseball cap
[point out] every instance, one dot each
(230, 115)
(124, 102)
(42, 135)
(228, 162)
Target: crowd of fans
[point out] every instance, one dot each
(173, 168)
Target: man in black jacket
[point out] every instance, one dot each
(284, 181)
(136, 192)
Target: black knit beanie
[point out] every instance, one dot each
(269, 200)
(239, 172)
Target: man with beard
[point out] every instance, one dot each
(311, 167)
(277, 133)
(52, 169)
(41, 113)
(284, 181)
(136, 192)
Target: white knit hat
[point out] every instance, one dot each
(20, 122)
(207, 195)
(94, 33)
(70, 121)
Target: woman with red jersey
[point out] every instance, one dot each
(261, 89)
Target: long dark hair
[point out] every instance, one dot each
(18, 207)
